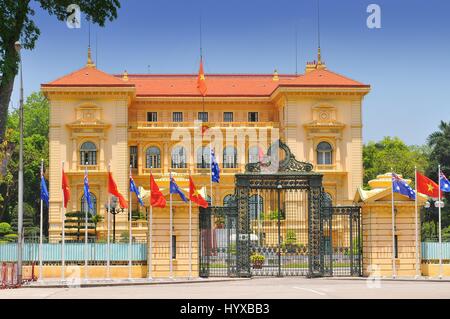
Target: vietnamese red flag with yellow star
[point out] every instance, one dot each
(201, 80)
(195, 196)
(427, 186)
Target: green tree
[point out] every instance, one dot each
(16, 23)
(36, 117)
(392, 153)
(96, 219)
(7, 233)
(30, 221)
(439, 143)
(75, 224)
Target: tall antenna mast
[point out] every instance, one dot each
(201, 58)
(296, 50)
(89, 33)
(201, 38)
(96, 47)
(319, 55)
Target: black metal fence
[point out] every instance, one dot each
(342, 241)
(217, 242)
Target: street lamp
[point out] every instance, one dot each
(114, 209)
(18, 48)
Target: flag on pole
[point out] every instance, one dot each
(112, 189)
(215, 170)
(400, 186)
(174, 189)
(135, 190)
(157, 198)
(201, 80)
(427, 186)
(195, 196)
(87, 193)
(65, 188)
(445, 184)
(205, 128)
(260, 155)
(44, 191)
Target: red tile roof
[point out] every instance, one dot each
(252, 85)
(87, 77)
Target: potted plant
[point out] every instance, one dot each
(257, 260)
(290, 244)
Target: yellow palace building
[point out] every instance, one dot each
(101, 121)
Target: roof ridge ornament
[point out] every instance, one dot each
(90, 63)
(288, 164)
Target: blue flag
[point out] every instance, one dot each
(215, 170)
(174, 189)
(401, 187)
(44, 191)
(87, 193)
(445, 184)
(135, 190)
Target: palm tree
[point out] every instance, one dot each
(439, 142)
(95, 220)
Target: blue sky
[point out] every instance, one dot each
(407, 61)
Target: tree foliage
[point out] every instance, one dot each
(16, 23)
(36, 115)
(391, 153)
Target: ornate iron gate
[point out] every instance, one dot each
(279, 224)
(279, 219)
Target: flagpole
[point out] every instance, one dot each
(86, 231)
(259, 216)
(170, 231)
(130, 211)
(150, 239)
(190, 235)
(211, 179)
(394, 267)
(41, 224)
(440, 223)
(416, 226)
(63, 213)
(211, 230)
(108, 235)
(150, 230)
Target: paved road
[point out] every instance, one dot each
(289, 288)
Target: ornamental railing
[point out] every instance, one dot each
(150, 125)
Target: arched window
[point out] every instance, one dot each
(88, 154)
(228, 200)
(324, 154)
(208, 199)
(179, 157)
(256, 204)
(229, 157)
(153, 157)
(84, 205)
(203, 157)
(254, 155)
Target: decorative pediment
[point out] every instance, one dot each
(288, 164)
(88, 115)
(324, 122)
